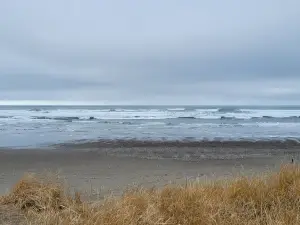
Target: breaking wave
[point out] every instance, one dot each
(134, 117)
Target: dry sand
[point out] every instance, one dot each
(105, 170)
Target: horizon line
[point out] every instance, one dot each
(95, 103)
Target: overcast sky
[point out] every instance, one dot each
(150, 52)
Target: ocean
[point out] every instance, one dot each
(36, 126)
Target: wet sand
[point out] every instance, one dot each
(101, 169)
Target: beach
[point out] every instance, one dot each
(103, 168)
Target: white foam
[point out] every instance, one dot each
(106, 114)
(277, 113)
(176, 109)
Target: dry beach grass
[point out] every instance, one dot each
(267, 199)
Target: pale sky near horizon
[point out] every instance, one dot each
(150, 52)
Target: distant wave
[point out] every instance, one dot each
(154, 123)
(261, 118)
(67, 118)
(41, 118)
(240, 118)
(127, 123)
(227, 118)
(275, 118)
(228, 110)
(5, 117)
(35, 110)
(64, 118)
(267, 117)
(176, 109)
(38, 110)
(135, 117)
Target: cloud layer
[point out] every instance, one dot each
(151, 52)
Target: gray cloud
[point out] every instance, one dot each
(153, 52)
(21, 82)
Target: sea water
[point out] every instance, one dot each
(31, 126)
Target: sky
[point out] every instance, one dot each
(155, 52)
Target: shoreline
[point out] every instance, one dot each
(275, 143)
(261, 143)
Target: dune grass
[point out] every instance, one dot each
(272, 199)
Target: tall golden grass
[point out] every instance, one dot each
(272, 199)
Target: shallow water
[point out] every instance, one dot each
(22, 126)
